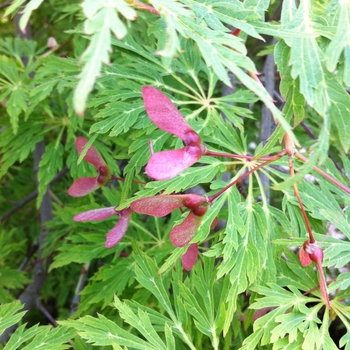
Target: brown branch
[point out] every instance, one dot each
(31, 196)
(30, 296)
(79, 288)
(267, 126)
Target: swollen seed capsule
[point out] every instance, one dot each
(193, 201)
(314, 251)
(101, 179)
(194, 151)
(103, 170)
(191, 138)
(200, 211)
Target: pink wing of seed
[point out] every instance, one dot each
(163, 113)
(92, 156)
(190, 257)
(119, 230)
(167, 164)
(182, 234)
(95, 214)
(83, 186)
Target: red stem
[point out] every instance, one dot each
(330, 178)
(142, 6)
(239, 156)
(323, 285)
(134, 181)
(214, 196)
(296, 193)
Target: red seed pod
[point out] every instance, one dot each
(191, 138)
(314, 251)
(200, 211)
(101, 179)
(236, 32)
(193, 201)
(103, 170)
(194, 151)
(214, 223)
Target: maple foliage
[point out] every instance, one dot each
(189, 165)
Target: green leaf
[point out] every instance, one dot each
(50, 164)
(169, 338)
(15, 90)
(83, 247)
(103, 332)
(103, 285)
(289, 323)
(29, 8)
(101, 19)
(9, 315)
(337, 254)
(340, 12)
(18, 147)
(119, 117)
(141, 322)
(147, 275)
(48, 338)
(342, 282)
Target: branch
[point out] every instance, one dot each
(31, 196)
(79, 288)
(30, 296)
(266, 122)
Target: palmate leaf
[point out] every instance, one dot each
(339, 15)
(319, 87)
(289, 87)
(104, 284)
(298, 320)
(148, 276)
(337, 254)
(169, 12)
(219, 51)
(234, 13)
(202, 298)
(141, 322)
(322, 205)
(83, 247)
(157, 321)
(40, 337)
(18, 147)
(17, 48)
(15, 91)
(246, 262)
(267, 329)
(292, 273)
(54, 73)
(103, 332)
(118, 117)
(248, 255)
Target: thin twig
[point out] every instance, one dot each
(79, 288)
(5, 4)
(45, 312)
(31, 196)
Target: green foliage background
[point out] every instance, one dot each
(136, 295)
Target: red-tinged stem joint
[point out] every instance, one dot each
(216, 195)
